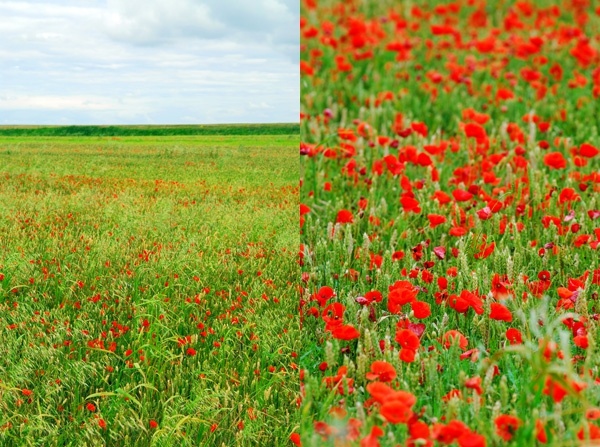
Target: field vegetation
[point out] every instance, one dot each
(450, 223)
(148, 290)
(144, 130)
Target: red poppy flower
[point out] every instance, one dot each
(460, 195)
(514, 336)
(418, 430)
(410, 204)
(485, 250)
(304, 209)
(581, 341)
(592, 414)
(382, 393)
(421, 309)
(588, 151)
(454, 336)
(407, 355)
(474, 383)
(501, 287)
(555, 160)
(471, 439)
(345, 332)
(484, 213)
(407, 339)
(333, 315)
(419, 128)
(371, 440)
(382, 371)
(461, 303)
(435, 220)
(374, 296)
(540, 432)
(591, 432)
(344, 216)
(442, 197)
(324, 294)
(401, 295)
(340, 381)
(506, 426)
(504, 94)
(458, 231)
(396, 412)
(295, 438)
(447, 434)
(473, 130)
(500, 313)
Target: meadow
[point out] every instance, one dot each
(151, 130)
(148, 290)
(450, 223)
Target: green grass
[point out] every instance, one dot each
(157, 130)
(141, 242)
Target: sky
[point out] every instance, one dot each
(149, 61)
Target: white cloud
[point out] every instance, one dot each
(156, 21)
(153, 61)
(50, 102)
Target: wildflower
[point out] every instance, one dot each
(371, 440)
(401, 293)
(555, 160)
(421, 309)
(506, 426)
(461, 303)
(590, 432)
(500, 312)
(514, 336)
(345, 332)
(344, 216)
(382, 371)
(501, 287)
(340, 381)
(396, 411)
(25, 392)
(540, 432)
(435, 220)
(447, 434)
(409, 342)
(475, 384)
(471, 439)
(454, 336)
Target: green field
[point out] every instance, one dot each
(147, 290)
(144, 130)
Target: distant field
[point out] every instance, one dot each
(148, 290)
(161, 130)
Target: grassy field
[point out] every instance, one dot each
(148, 290)
(450, 223)
(144, 130)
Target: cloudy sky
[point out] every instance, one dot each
(149, 61)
